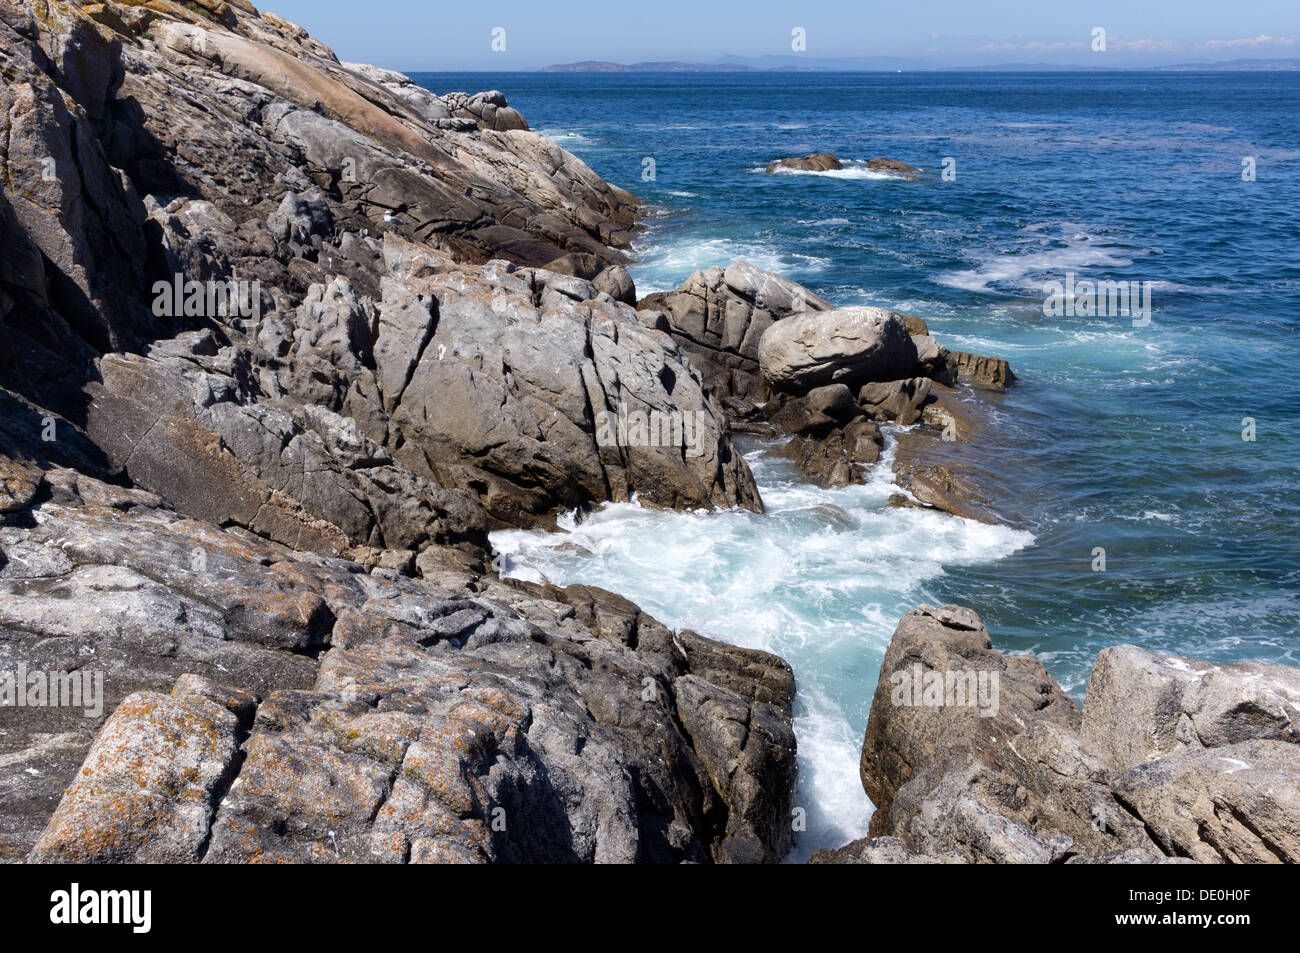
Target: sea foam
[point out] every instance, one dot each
(821, 579)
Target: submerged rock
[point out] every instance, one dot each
(894, 167)
(814, 162)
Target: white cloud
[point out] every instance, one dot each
(1147, 45)
(1251, 41)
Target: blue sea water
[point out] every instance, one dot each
(1124, 438)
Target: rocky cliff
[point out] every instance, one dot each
(282, 338)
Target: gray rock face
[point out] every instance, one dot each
(272, 704)
(159, 761)
(719, 315)
(317, 419)
(1235, 804)
(852, 346)
(1006, 776)
(390, 367)
(1142, 705)
(561, 367)
(948, 703)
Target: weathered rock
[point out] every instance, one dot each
(875, 850)
(1236, 804)
(839, 457)
(489, 110)
(850, 346)
(438, 723)
(976, 755)
(914, 738)
(814, 162)
(147, 788)
(898, 401)
(564, 371)
(1004, 776)
(815, 412)
(719, 315)
(893, 167)
(1142, 705)
(993, 373)
(930, 354)
(19, 485)
(915, 326)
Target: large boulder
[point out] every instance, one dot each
(1142, 705)
(945, 697)
(852, 346)
(977, 756)
(719, 315)
(568, 373)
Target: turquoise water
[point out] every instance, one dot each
(1120, 437)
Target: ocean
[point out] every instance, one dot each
(1171, 444)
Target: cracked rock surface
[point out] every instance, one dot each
(263, 704)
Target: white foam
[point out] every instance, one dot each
(1047, 251)
(565, 137)
(663, 266)
(821, 580)
(852, 169)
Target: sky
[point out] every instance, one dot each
(418, 35)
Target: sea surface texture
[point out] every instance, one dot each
(1123, 437)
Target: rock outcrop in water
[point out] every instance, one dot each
(718, 317)
(975, 756)
(851, 346)
(815, 162)
(282, 338)
(894, 167)
(833, 376)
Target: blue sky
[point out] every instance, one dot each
(415, 35)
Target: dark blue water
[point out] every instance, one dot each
(1124, 438)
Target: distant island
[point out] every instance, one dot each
(599, 66)
(737, 64)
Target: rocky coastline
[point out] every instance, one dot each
(286, 337)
